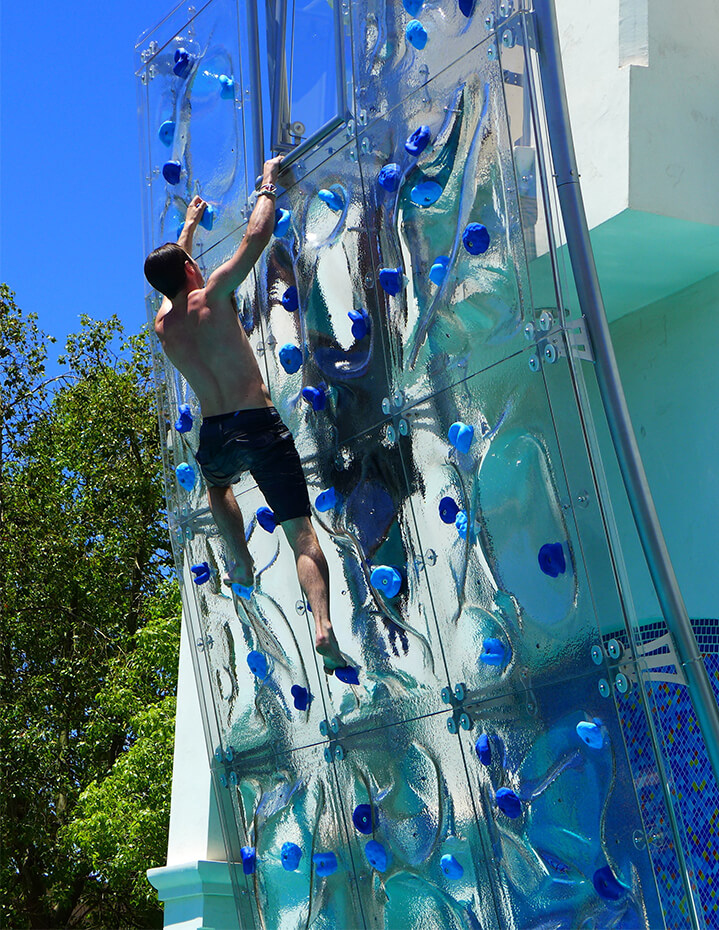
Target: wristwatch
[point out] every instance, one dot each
(268, 189)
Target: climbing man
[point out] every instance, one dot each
(200, 332)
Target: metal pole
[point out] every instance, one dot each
(610, 386)
(253, 43)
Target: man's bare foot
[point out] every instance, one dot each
(327, 646)
(241, 574)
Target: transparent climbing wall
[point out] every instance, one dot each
(478, 774)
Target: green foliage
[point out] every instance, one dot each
(89, 630)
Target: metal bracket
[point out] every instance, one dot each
(460, 718)
(577, 339)
(660, 660)
(512, 77)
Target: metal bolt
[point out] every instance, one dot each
(604, 688)
(583, 499)
(614, 648)
(398, 399)
(334, 724)
(218, 754)
(230, 754)
(233, 778)
(529, 332)
(391, 435)
(622, 683)
(452, 725)
(546, 320)
(368, 280)
(508, 39)
(491, 51)
(328, 754)
(300, 607)
(446, 695)
(385, 405)
(550, 353)
(223, 780)
(323, 727)
(534, 363)
(489, 22)
(640, 841)
(403, 427)
(465, 721)
(597, 655)
(459, 691)
(430, 557)
(339, 752)
(531, 708)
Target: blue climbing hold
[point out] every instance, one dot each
(551, 559)
(208, 217)
(412, 6)
(332, 199)
(257, 662)
(325, 863)
(386, 579)
(591, 734)
(266, 519)
(416, 34)
(183, 424)
(448, 510)
(290, 358)
(426, 193)
(290, 299)
(364, 817)
(249, 859)
(243, 591)
(494, 652)
(201, 572)
(461, 436)
(466, 7)
(389, 177)
(290, 855)
(301, 697)
(360, 323)
(184, 61)
(460, 521)
(166, 132)
(328, 499)
(451, 867)
(185, 476)
(483, 749)
(315, 396)
(171, 172)
(475, 239)
(438, 271)
(283, 218)
(227, 87)
(508, 802)
(377, 855)
(418, 141)
(607, 885)
(347, 674)
(392, 280)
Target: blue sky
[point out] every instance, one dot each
(70, 186)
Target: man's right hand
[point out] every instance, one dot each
(271, 170)
(195, 209)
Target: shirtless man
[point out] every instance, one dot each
(200, 332)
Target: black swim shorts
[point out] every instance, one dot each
(259, 442)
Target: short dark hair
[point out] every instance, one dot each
(165, 269)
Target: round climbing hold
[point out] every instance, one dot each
(257, 662)
(448, 510)
(301, 697)
(327, 500)
(171, 172)
(184, 61)
(290, 854)
(438, 271)
(325, 863)
(418, 141)
(475, 239)
(508, 802)
(416, 34)
(283, 219)
(185, 476)
(315, 397)
(290, 358)
(243, 591)
(347, 674)
(249, 859)
(483, 749)
(208, 217)
(386, 579)
(461, 436)
(377, 855)
(494, 652)
(227, 87)
(607, 885)
(290, 299)
(426, 193)
(266, 519)
(460, 521)
(201, 572)
(360, 323)
(551, 559)
(392, 280)
(412, 6)
(166, 132)
(183, 424)
(389, 177)
(332, 199)
(591, 734)
(466, 7)
(451, 867)
(364, 817)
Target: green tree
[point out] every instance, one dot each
(89, 630)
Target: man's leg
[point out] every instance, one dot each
(314, 577)
(229, 522)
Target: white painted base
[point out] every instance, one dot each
(197, 895)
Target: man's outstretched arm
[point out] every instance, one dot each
(195, 209)
(223, 281)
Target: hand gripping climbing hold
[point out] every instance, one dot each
(290, 358)
(325, 863)
(377, 855)
(551, 559)
(166, 132)
(364, 817)
(227, 87)
(171, 172)
(448, 510)
(201, 572)
(185, 476)
(392, 280)
(290, 299)
(184, 61)
(591, 733)
(451, 867)
(315, 397)
(208, 217)
(332, 199)
(418, 141)
(183, 424)
(283, 218)
(290, 854)
(461, 436)
(257, 662)
(266, 519)
(301, 697)
(386, 579)
(426, 193)
(508, 802)
(494, 652)
(327, 500)
(483, 749)
(416, 34)
(249, 859)
(360, 323)
(389, 177)
(475, 239)
(438, 271)
(607, 885)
